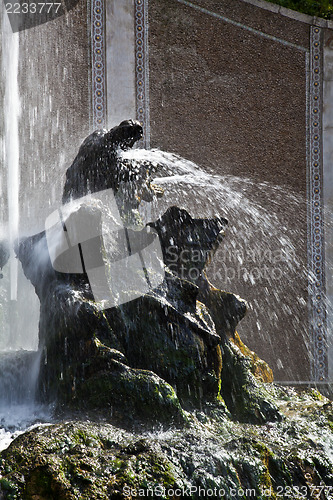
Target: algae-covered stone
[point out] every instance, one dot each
(129, 395)
(259, 368)
(174, 338)
(213, 456)
(246, 397)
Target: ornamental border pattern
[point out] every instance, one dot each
(316, 259)
(142, 69)
(98, 64)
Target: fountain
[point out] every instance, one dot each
(155, 395)
(81, 336)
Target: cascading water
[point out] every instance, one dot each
(11, 156)
(19, 358)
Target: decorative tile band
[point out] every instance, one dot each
(142, 68)
(98, 64)
(316, 258)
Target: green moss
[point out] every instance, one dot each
(315, 394)
(265, 476)
(258, 367)
(80, 436)
(317, 8)
(40, 484)
(163, 472)
(10, 488)
(130, 394)
(95, 461)
(245, 396)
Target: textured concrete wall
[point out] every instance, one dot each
(328, 179)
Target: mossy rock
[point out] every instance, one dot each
(119, 392)
(98, 461)
(128, 394)
(77, 460)
(259, 368)
(246, 397)
(178, 344)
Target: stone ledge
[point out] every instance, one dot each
(292, 14)
(273, 7)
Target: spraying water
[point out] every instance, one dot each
(18, 410)
(256, 235)
(263, 257)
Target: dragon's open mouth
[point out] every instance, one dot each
(126, 134)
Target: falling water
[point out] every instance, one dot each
(19, 308)
(18, 409)
(10, 57)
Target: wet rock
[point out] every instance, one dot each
(177, 342)
(227, 309)
(246, 397)
(125, 394)
(188, 244)
(213, 457)
(188, 247)
(194, 412)
(258, 367)
(166, 331)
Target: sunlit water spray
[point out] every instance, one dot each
(264, 255)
